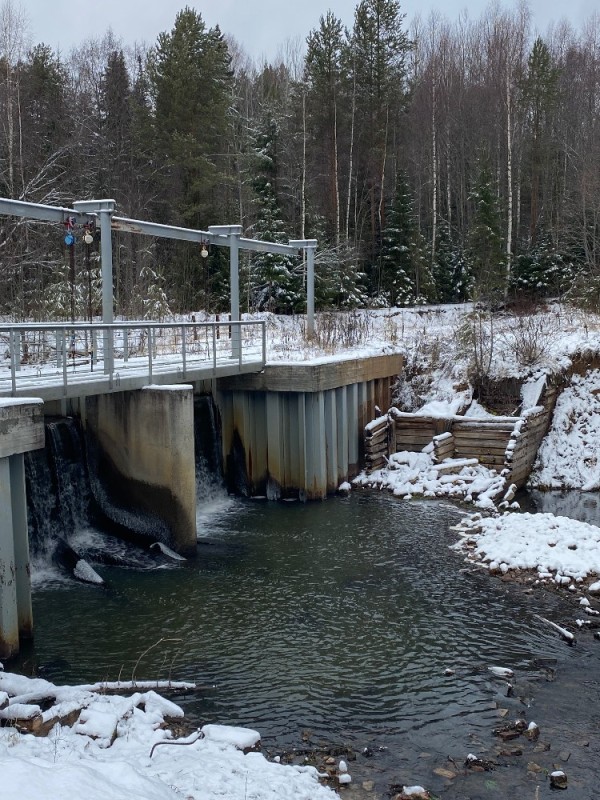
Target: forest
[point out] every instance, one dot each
(439, 161)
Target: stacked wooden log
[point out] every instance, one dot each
(484, 438)
(413, 432)
(443, 447)
(377, 443)
(522, 449)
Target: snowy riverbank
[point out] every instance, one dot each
(117, 747)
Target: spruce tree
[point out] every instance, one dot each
(403, 275)
(275, 286)
(486, 253)
(452, 281)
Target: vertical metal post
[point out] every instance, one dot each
(63, 349)
(107, 287)
(214, 344)
(149, 334)
(13, 364)
(183, 350)
(234, 277)
(125, 345)
(264, 342)
(310, 291)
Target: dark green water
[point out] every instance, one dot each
(338, 618)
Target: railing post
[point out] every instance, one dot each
(183, 350)
(13, 366)
(264, 342)
(149, 334)
(214, 344)
(64, 360)
(125, 345)
(234, 277)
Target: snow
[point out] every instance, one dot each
(408, 474)
(106, 754)
(568, 456)
(559, 548)
(20, 401)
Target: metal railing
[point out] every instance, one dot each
(47, 354)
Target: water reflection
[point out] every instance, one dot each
(582, 506)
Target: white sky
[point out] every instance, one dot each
(261, 26)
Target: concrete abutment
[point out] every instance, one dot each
(296, 430)
(21, 430)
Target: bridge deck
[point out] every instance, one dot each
(56, 362)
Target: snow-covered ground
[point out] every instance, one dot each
(119, 748)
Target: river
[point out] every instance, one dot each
(323, 625)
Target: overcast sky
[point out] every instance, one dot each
(261, 26)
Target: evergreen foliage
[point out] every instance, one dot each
(275, 285)
(487, 258)
(403, 275)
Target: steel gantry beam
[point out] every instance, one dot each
(219, 235)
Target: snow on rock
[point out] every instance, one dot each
(241, 738)
(568, 455)
(98, 724)
(557, 547)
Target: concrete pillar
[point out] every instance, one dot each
(353, 429)
(21, 544)
(9, 622)
(21, 430)
(145, 439)
(275, 458)
(316, 468)
(343, 432)
(331, 444)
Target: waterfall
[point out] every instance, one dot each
(75, 504)
(211, 495)
(58, 493)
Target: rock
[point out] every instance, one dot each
(511, 751)
(532, 732)
(342, 766)
(330, 760)
(533, 767)
(448, 671)
(564, 755)
(368, 786)
(558, 779)
(413, 793)
(367, 752)
(476, 764)
(444, 773)
(344, 778)
(507, 734)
